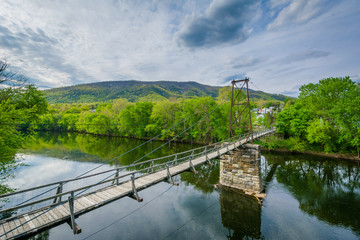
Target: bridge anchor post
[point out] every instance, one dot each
(76, 229)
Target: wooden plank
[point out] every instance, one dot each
(101, 196)
(2, 232)
(64, 209)
(26, 226)
(108, 193)
(87, 200)
(8, 231)
(57, 213)
(38, 218)
(126, 185)
(77, 206)
(30, 223)
(121, 189)
(140, 182)
(51, 215)
(81, 203)
(19, 225)
(115, 192)
(44, 218)
(95, 199)
(13, 228)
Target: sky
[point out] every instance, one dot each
(278, 44)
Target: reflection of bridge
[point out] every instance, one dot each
(99, 189)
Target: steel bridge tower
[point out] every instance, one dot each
(239, 105)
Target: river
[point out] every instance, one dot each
(308, 197)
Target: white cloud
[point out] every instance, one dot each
(62, 43)
(298, 11)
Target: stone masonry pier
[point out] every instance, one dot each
(241, 170)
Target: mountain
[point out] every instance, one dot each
(135, 91)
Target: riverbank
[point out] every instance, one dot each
(314, 153)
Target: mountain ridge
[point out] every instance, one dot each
(134, 91)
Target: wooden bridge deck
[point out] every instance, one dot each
(33, 222)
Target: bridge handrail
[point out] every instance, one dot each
(206, 151)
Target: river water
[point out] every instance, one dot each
(308, 197)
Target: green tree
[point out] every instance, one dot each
(18, 106)
(293, 121)
(134, 119)
(322, 132)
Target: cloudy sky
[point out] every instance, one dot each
(279, 44)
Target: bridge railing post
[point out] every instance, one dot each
(58, 191)
(191, 165)
(76, 229)
(207, 160)
(150, 169)
(175, 160)
(169, 177)
(116, 178)
(134, 191)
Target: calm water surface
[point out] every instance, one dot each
(307, 197)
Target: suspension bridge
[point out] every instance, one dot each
(112, 186)
(35, 209)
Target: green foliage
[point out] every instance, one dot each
(144, 119)
(295, 144)
(322, 132)
(18, 107)
(326, 113)
(293, 121)
(135, 118)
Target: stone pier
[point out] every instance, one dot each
(241, 170)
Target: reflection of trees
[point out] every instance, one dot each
(6, 169)
(91, 148)
(241, 214)
(329, 190)
(205, 178)
(41, 236)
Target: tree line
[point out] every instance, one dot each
(325, 117)
(201, 119)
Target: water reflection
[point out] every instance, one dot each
(307, 196)
(91, 148)
(205, 179)
(240, 214)
(327, 189)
